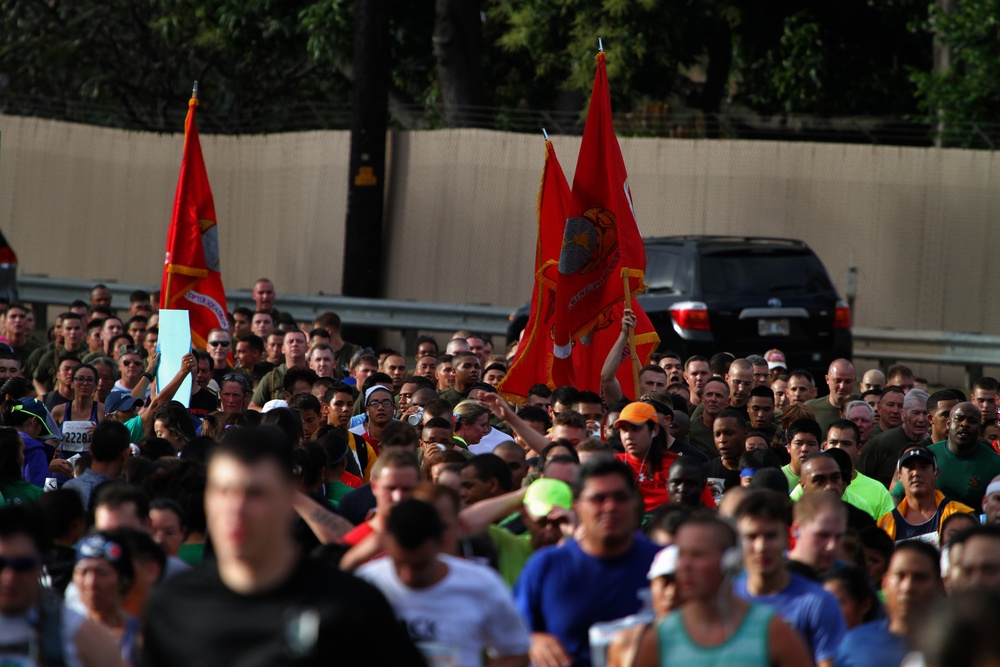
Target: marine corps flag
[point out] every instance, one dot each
(602, 250)
(191, 278)
(533, 362)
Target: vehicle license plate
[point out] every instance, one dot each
(770, 327)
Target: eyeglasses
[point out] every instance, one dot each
(85, 379)
(219, 343)
(21, 564)
(129, 364)
(384, 403)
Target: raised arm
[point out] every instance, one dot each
(609, 381)
(166, 394)
(147, 376)
(476, 517)
(502, 410)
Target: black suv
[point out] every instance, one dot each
(709, 294)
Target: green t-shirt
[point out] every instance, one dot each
(90, 356)
(20, 492)
(335, 491)
(136, 431)
(876, 495)
(31, 364)
(793, 479)
(192, 554)
(513, 551)
(825, 413)
(962, 478)
(47, 368)
(701, 437)
(879, 457)
(271, 386)
(453, 396)
(849, 497)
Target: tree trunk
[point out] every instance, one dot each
(458, 44)
(720, 61)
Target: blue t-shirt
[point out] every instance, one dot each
(563, 591)
(871, 644)
(808, 608)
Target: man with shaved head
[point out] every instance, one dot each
(873, 379)
(740, 380)
(840, 381)
(966, 464)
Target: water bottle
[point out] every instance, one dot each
(602, 633)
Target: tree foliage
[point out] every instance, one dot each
(849, 58)
(965, 96)
(286, 64)
(131, 63)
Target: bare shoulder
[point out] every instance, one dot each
(96, 646)
(785, 645)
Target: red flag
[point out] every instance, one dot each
(601, 246)
(191, 277)
(533, 362)
(590, 352)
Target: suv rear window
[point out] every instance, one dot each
(771, 272)
(667, 271)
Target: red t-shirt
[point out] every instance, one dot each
(351, 480)
(653, 487)
(359, 533)
(371, 441)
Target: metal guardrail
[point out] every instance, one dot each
(887, 346)
(408, 317)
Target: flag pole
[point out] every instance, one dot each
(632, 351)
(170, 274)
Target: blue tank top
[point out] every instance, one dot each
(747, 647)
(67, 417)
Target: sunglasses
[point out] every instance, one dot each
(235, 377)
(21, 564)
(219, 343)
(129, 364)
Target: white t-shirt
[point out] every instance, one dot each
(490, 442)
(18, 633)
(471, 609)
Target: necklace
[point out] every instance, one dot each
(642, 467)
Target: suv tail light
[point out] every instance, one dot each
(691, 315)
(7, 256)
(842, 318)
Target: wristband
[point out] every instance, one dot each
(147, 375)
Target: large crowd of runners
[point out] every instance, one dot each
(313, 502)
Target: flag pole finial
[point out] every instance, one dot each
(545, 134)
(600, 45)
(194, 90)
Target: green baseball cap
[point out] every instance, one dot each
(545, 494)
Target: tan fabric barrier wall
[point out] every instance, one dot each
(94, 203)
